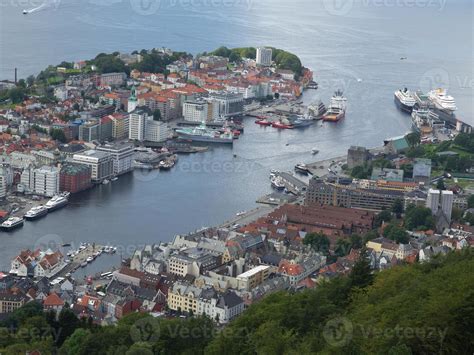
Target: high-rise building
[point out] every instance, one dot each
(230, 104)
(264, 56)
(446, 204)
(142, 127)
(432, 201)
(195, 111)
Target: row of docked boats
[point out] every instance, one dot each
(37, 212)
(316, 111)
(439, 99)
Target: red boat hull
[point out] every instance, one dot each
(263, 123)
(281, 125)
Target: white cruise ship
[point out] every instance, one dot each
(442, 100)
(405, 100)
(12, 223)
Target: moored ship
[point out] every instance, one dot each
(282, 124)
(337, 108)
(56, 203)
(442, 100)
(36, 213)
(277, 183)
(317, 110)
(204, 134)
(301, 121)
(169, 162)
(12, 223)
(405, 100)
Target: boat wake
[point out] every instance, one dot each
(45, 5)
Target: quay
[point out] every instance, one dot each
(248, 217)
(79, 259)
(292, 183)
(276, 199)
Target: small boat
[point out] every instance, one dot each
(105, 182)
(89, 259)
(263, 122)
(241, 213)
(281, 125)
(84, 264)
(314, 151)
(66, 245)
(25, 12)
(114, 178)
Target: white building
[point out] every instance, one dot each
(264, 56)
(195, 111)
(447, 199)
(132, 101)
(3, 186)
(432, 201)
(230, 104)
(156, 131)
(220, 307)
(137, 124)
(43, 181)
(101, 163)
(142, 127)
(122, 154)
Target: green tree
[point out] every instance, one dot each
(440, 185)
(383, 217)
(361, 275)
(58, 134)
(419, 218)
(318, 241)
(157, 115)
(397, 207)
(470, 201)
(356, 241)
(413, 139)
(396, 233)
(343, 247)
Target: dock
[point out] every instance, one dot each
(78, 259)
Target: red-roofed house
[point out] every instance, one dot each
(53, 302)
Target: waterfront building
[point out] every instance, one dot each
(101, 164)
(230, 104)
(357, 156)
(122, 154)
(396, 145)
(42, 181)
(264, 56)
(75, 177)
(156, 131)
(195, 111)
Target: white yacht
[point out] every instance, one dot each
(56, 202)
(442, 100)
(36, 213)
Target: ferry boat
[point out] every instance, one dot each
(277, 183)
(302, 169)
(56, 203)
(36, 213)
(317, 110)
(204, 134)
(337, 108)
(405, 100)
(12, 223)
(442, 100)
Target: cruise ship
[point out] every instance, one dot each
(204, 134)
(12, 223)
(337, 108)
(36, 213)
(317, 110)
(442, 100)
(56, 203)
(405, 100)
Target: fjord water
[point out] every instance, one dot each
(356, 47)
